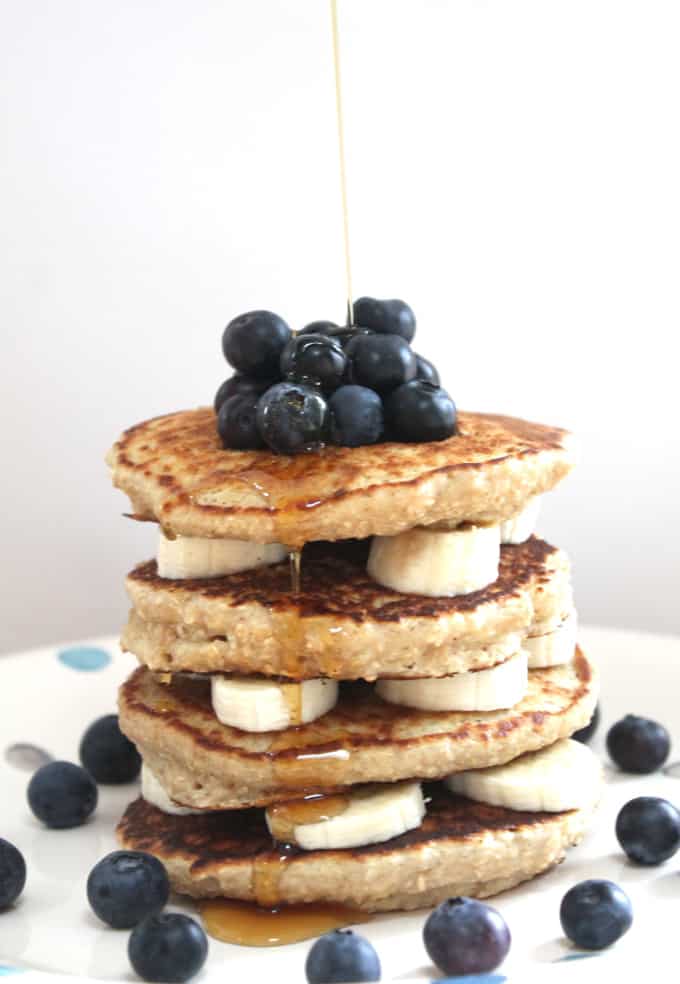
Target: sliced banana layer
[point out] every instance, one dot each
(563, 776)
(258, 704)
(198, 556)
(520, 527)
(153, 793)
(553, 648)
(365, 816)
(437, 563)
(499, 687)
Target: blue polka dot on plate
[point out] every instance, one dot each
(84, 658)
(472, 979)
(6, 970)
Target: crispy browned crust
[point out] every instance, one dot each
(461, 847)
(175, 472)
(205, 764)
(342, 623)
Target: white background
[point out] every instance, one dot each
(166, 165)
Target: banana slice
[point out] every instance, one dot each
(254, 704)
(563, 776)
(553, 648)
(153, 793)
(520, 527)
(436, 563)
(365, 816)
(199, 556)
(498, 687)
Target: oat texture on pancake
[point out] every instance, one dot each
(359, 663)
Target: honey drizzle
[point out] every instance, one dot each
(246, 924)
(292, 694)
(267, 874)
(283, 818)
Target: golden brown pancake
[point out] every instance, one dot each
(342, 624)
(205, 764)
(461, 848)
(175, 471)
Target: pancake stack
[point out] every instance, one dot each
(359, 669)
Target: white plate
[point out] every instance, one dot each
(48, 703)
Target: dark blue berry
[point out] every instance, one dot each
(292, 417)
(595, 913)
(356, 416)
(392, 317)
(12, 873)
(638, 745)
(237, 384)
(463, 936)
(585, 734)
(169, 947)
(320, 328)
(419, 411)
(426, 371)
(237, 422)
(648, 829)
(380, 362)
(126, 886)
(62, 795)
(107, 754)
(342, 956)
(318, 359)
(253, 343)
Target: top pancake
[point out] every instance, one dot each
(175, 472)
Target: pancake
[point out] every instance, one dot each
(175, 472)
(205, 764)
(461, 848)
(342, 624)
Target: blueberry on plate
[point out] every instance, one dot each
(380, 362)
(391, 317)
(318, 359)
(637, 744)
(12, 873)
(62, 795)
(595, 914)
(168, 947)
(292, 417)
(253, 343)
(648, 829)
(342, 956)
(585, 734)
(237, 422)
(463, 936)
(107, 754)
(126, 886)
(238, 384)
(426, 371)
(356, 416)
(418, 411)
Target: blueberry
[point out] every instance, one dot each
(648, 829)
(463, 936)
(239, 384)
(342, 956)
(585, 734)
(315, 358)
(387, 317)
(107, 754)
(12, 873)
(320, 328)
(637, 744)
(237, 422)
(595, 913)
(356, 416)
(253, 343)
(426, 371)
(169, 947)
(418, 411)
(381, 362)
(126, 886)
(62, 795)
(292, 417)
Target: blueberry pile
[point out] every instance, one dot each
(327, 384)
